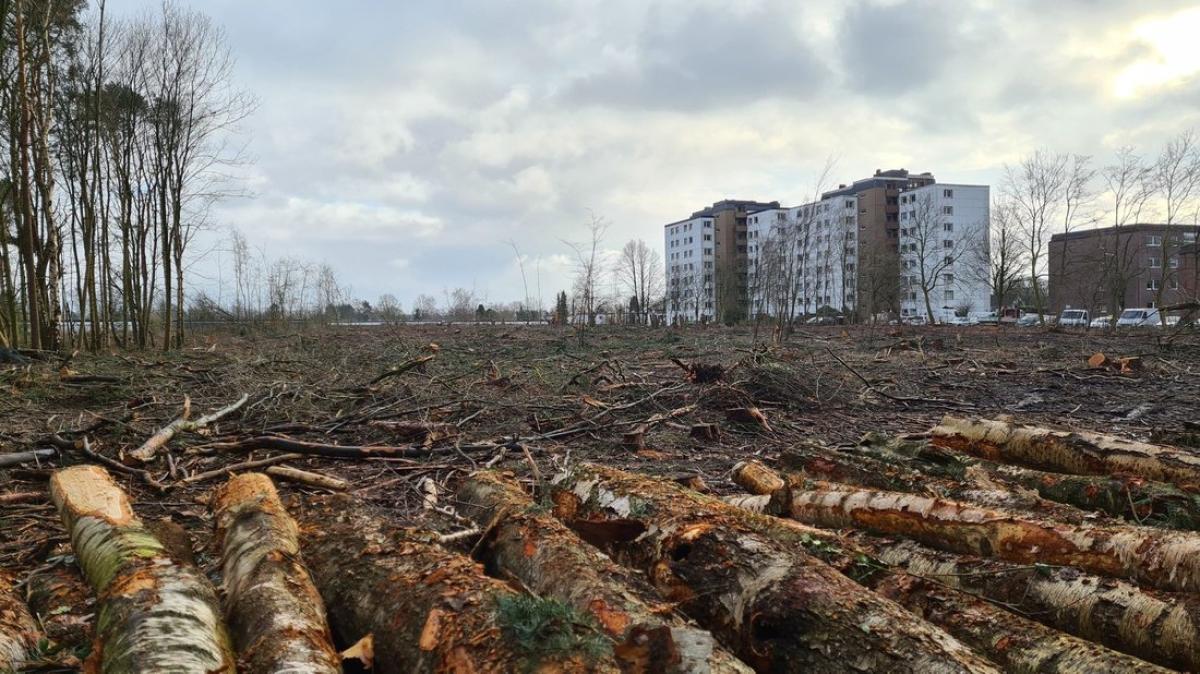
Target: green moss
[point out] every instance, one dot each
(539, 629)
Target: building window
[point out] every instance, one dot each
(1153, 284)
(949, 259)
(949, 194)
(1153, 241)
(1173, 263)
(948, 227)
(949, 294)
(947, 210)
(947, 244)
(1154, 262)
(708, 237)
(947, 278)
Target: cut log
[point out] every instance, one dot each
(1076, 452)
(154, 615)
(529, 544)
(706, 432)
(19, 634)
(756, 478)
(308, 478)
(1168, 560)
(275, 614)
(427, 608)
(285, 444)
(63, 605)
(778, 608)
(1017, 644)
(149, 449)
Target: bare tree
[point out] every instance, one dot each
(639, 272)
(588, 270)
(1176, 179)
(1130, 189)
(1000, 263)
(1037, 187)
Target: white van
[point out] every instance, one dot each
(1139, 318)
(1074, 318)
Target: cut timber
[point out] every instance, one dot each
(1017, 644)
(756, 478)
(309, 478)
(275, 613)
(153, 614)
(19, 634)
(777, 607)
(150, 448)
(428, 609)
(1168, 560)
(1078, 452)
(545, 556)
(1163, 628)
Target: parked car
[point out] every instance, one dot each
(1139, 318)
(914, 320)
(1100, 322)
(1028, 320)
(989, 318)
(1010, 316)
(1074, 318)
(959, 320)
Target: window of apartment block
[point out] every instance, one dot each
(948, 243)
(947, 210)
(1153, 284)
(1153, 262)
(708, 251)
(947, 278)
(708, 237)
(1174, 284)
(1173, 263)
(949, 194)
(1154, 241)
(948, 227)
(949, 294)
(949, 260)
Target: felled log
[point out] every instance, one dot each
(1168, 560)
(1076, 452)
(1017, 644)
(150, 448)
(1163, 628)
(778, 608)
(63, 605)
(427, 608)
(756, 478)
(154, 615)
(275, 614)
(19, 634)
(529, 544)
(285, 444)
(308, 478)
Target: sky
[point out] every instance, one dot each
(407, 143)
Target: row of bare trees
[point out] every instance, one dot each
(118, 139)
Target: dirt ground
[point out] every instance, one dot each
(520, 394)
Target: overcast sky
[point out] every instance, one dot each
(405, 142)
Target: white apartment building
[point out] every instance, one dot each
(690, 247)
(944, 250)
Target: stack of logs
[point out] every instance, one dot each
(984, 546)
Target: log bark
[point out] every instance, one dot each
(1075, 452)
(1168, 560)
(778, 608)
(545, 556)
(429, 609)
(153, 614)
(63, 605)
(150, 448)
(19, 633)
(1017, 644)
(274, 612)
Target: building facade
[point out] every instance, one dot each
(943, 239)
(1108, 269)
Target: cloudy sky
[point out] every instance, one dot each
(406, 142)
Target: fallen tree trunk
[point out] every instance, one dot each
(1163, 628)
(275, 613)
(284, 444)
(19, 634)
(430, 609)
(1017, 644)
(777, 607)
(1075, 452)
(149, 449)
(18, 458)
(153, 614)
(1168, 560)
(549, 559)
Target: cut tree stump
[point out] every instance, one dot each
(777, 607)
(706, 432)
(756, 478)
(1168, 560)
(274, 611)
(153, 615)
(1075, 452)
(634, 439)
(428, 609)
(19, 633)
(529, 544)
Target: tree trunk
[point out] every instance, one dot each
(549, 559)
(1078, 453)
(1163, 628)
(19, 634)
(154, 615)
(1017, 644)
(64, 606)
(779, 608)
(275, 613)
(428, 609)
(1165, 559)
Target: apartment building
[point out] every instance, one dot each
(1108, 269)
(943, 241)
(705, 258)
